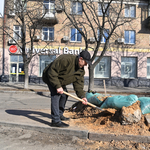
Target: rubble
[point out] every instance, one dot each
(131, 114)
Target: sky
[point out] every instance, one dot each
(1, 7)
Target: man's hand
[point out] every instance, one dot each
(60, 90)
(85, 101)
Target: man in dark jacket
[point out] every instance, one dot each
(64, 70)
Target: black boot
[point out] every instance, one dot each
(64, 118)
(60, 124)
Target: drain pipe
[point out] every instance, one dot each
(4, 22)
(149, 8)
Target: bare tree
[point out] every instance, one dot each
(97, 22)
(28, 15)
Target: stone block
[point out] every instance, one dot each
(131, 114)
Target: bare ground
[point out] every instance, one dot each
(17, 139)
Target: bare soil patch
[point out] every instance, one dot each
(107, 121)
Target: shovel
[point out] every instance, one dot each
(79, 99)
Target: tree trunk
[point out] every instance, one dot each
(26, 81)
(91, 78)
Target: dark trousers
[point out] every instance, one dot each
(58, 102)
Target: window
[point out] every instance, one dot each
(76, 8)
(129, 37)
(48, 33)
(128, 67)
(148, 67)
(17, 33)
(100, 11)
(75, 35)
(106, 33)
(49, 6)
(130, 11)
(103, 68)
(45, 60)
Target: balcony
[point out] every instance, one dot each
(50, 17)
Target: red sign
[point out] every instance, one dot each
(13, 49)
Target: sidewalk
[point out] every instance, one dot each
(30, 109)
(19, 87)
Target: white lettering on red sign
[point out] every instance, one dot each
(13, 49)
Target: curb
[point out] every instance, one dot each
(30, 92)
(82, 134)
(109, 93)
(16, 91)
(110, 137)
(52, 130)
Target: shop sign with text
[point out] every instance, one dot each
(54, 51)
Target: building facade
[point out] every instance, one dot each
(125, 63)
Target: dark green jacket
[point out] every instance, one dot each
(65, 70)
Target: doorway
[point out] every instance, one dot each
(16, 69)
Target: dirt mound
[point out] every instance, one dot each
(107, 121)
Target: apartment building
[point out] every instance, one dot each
(125, 63)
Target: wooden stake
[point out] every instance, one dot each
(104, 86)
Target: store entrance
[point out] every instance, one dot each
(16, 69)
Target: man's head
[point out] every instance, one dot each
(84, 59)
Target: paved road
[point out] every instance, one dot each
(27, 101)
(27, 108)
(24, 101)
